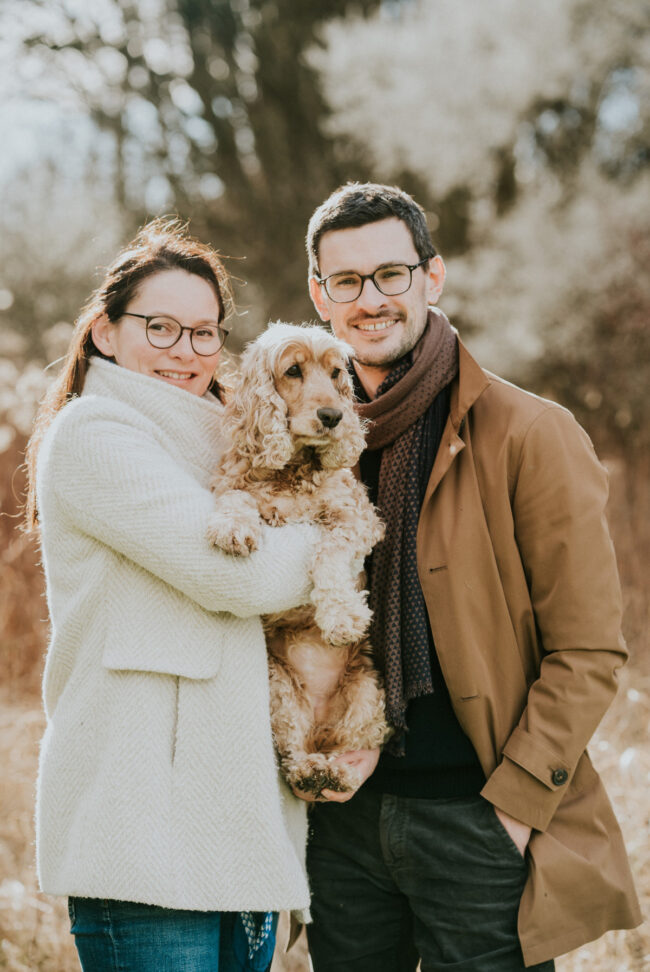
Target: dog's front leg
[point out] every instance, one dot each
(341, 611)
(235, 525)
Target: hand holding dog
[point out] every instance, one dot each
(364, 761)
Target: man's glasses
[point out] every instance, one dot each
(165, 332)
(392, 280)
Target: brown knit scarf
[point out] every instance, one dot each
(400, 427)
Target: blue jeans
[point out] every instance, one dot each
(124, 936)
(397, 880)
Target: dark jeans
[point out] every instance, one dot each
(123, 936)
(396, 880)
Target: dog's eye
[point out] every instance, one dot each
(336, 373)
(294, 371)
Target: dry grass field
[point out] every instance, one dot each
(34, 928)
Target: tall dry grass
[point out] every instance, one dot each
(34, 931)
(23, 611)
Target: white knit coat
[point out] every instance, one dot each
(158, 781)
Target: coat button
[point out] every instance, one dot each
(559, 777)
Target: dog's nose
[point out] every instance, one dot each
(330, 417)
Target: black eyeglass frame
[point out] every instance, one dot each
(147, 318)
(371, 276)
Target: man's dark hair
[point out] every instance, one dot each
(356, 204)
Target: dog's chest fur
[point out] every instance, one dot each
(304, 496)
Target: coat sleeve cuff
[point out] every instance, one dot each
(530, 781)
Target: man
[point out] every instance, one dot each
(484, 839)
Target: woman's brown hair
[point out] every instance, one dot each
(163, 244)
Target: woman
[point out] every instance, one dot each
(160, 812)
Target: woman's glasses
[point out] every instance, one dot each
(165, 332)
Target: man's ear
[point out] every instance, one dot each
(435, 279)
(102, 332)
(317, 294)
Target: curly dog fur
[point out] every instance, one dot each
(295, 435)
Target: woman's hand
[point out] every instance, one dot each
(363, 761)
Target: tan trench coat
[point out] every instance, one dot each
(520, 581)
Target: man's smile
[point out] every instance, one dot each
(375, 324)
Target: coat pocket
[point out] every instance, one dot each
(460, 678)
(151, 627)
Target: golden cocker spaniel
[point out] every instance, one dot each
(294, 436)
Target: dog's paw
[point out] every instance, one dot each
(240, 537)
(316, 773)
(341, 634)
(304, 772)
(343, 624)
(276, 510)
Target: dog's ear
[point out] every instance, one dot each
(344, 384)
(257, 415)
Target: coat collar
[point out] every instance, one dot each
(191, 425)
(466, 389)
(470, 385)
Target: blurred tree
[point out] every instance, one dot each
(499, 89)
(214, 112)
(55, 233)
(602, 370)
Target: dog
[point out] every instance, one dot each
(294, 437)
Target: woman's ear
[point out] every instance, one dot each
(102, 331)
